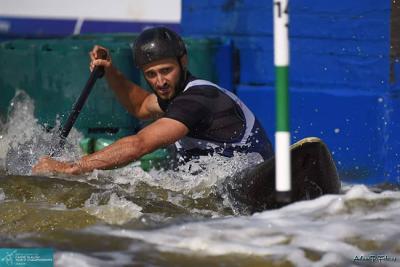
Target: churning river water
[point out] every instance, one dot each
(129, 217)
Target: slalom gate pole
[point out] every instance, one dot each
(282, 134)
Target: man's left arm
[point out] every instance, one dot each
(159, 134)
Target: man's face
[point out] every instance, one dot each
(163, 76)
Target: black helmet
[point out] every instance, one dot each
(157, 43)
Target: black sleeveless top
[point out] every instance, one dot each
(217, 121)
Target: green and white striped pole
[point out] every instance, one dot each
(282, 135)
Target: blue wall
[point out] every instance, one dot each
(339, 74)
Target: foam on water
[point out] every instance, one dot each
(336, 227)
(118, 210)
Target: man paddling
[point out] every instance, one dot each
(198, 116)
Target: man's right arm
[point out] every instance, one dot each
(139, 102)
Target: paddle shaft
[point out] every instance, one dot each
(98, 72)
(76, 109)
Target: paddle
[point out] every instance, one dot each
(97, 73)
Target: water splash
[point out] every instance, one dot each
(196, 179)
(24, 140)
(117, 210)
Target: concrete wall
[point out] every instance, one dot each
(344, 82)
